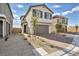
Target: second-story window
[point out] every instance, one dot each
(58, 20)
(40, 14)
(47, 15)
(37, 13)
(63, 21)
(50, 16)
(34, 12)
(66, 21)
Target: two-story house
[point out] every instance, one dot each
(44, 20)
(61, 21)
(6, 19)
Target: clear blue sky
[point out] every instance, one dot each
(69, 10)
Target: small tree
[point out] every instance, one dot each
(34, 22)
(59, 27)
(76, 28)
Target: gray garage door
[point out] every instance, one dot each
(1, 28)
(42, 29)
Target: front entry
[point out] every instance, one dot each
(25, 29)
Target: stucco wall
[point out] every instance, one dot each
(54, 22)
(4, 9)
(28, 17)
(8, 18)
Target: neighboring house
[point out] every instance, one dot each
(44, 19)
(72, 29)
(59, 20)
(6, 19)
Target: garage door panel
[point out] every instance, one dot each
(42, 29)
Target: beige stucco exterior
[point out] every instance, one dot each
(6, 17)
(54, 21)
(41, 21)
(61, 19)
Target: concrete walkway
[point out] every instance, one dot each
(75, 51)
(15, 46)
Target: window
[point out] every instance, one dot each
(47, 15)
(34, 12)
(50, 16)
(37, 13)
(41, 14)
(57, 20)
(65, 21)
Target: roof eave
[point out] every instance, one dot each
(10, 10)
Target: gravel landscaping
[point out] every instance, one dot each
(37, 42)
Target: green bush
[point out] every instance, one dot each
(59, 27)
(25, 39)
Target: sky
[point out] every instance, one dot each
(69, 10)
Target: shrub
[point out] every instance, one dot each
(42, 40)
(25, 39)
(59, 27)
(29, 43)
(51, 46)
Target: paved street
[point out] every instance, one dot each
(15, 46)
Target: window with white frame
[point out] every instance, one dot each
(37, 13)
(47, 15)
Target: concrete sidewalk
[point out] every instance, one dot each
(75, 51)
(15, 46)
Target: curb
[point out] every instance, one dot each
(39, 52)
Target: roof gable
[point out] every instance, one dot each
(37, 6)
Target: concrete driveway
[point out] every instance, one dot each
(15, 46)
